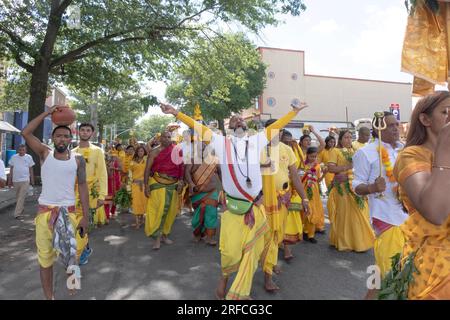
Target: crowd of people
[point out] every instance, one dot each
(381, 194)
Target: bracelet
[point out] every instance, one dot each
(441, 168)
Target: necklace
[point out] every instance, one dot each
(248, 180)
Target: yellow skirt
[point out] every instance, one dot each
(350, 224)
(294, 227)
(316, 219)
(240, 250)
(139, 200)
(162, 209)
(387, 245)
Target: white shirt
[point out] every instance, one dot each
(2, 170)
(22, 165)
(255, 145)
(366, 168)
(58, 181)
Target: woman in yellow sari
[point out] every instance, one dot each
(348, 213)
(293, 229)
(422, 170)
(139, 200)
(324, 157)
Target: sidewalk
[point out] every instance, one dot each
(8, 197)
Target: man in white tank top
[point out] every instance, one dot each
(60, 169)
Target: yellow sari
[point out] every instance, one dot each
(430, 242)
(349, 215)
(139, 200)
(324, 157)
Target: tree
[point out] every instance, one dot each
(148, 128)
(114, 106)
(224, 75)
(140, 35)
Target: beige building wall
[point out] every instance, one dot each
(327, 96)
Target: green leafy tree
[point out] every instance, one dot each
(48, 38)
(223, 74)
(148, 128)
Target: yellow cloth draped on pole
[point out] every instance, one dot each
(293, 230)
(275, 185)
(139, 200)
(426, 52)
(430, 242)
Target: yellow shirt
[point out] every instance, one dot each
(95, 168)
(357, 145)
(283, 157)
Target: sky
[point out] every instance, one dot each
(347, 38)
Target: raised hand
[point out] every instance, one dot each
(300, 107)
(168, 109)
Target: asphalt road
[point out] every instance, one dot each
(124, 266)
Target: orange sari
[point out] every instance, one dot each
(430, 242)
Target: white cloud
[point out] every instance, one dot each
(326, 26)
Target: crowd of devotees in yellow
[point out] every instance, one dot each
(272, 192)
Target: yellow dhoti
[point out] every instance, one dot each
(44, 238)
(387, 245)
(240, 249)
(273, 238)
(162, 208)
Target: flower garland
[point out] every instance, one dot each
(311, 178)
(387, 163)
(348, 156)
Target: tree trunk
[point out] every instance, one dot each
(222, 126)
(36, 103)
(100, 132)
(94, 113)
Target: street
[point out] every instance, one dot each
(124, 266)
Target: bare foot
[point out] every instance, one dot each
(197, 239)
(277, 269)
(157, 244)
(221, 287)
(270, 286)
(167, 240)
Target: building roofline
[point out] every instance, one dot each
(357, 79)
(280, 49)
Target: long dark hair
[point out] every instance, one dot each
(136, 155)
(341, 135)
(417, 133)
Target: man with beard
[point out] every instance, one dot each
(97, 180)
(56, 221)
(244, 224)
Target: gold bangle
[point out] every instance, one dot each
(441, 168)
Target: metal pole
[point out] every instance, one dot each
(346, 115)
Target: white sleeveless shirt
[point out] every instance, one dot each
(58, 181)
